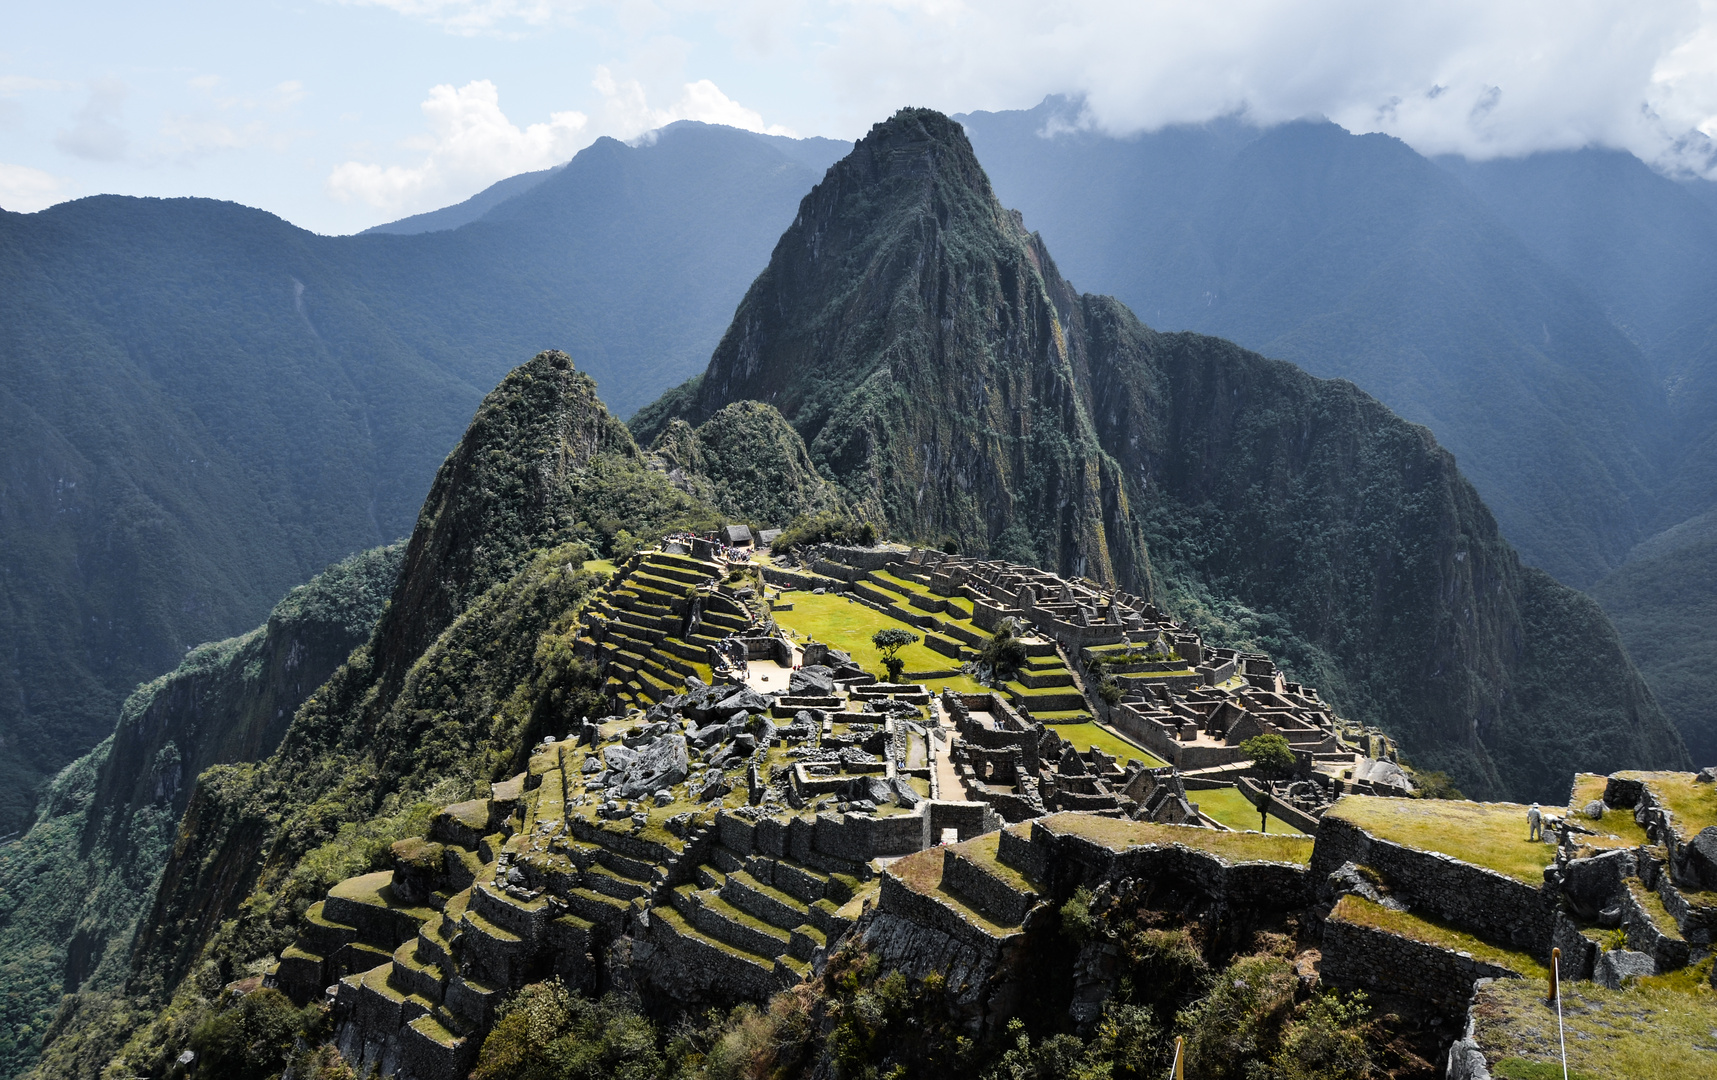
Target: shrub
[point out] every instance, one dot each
(1327, 1040)
(1238, 1025)
(1003, 654)
(826, 527)
(1435, 784)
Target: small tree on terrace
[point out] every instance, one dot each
(889, 642)
(1271, 753)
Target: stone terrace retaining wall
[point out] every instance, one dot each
(1360, 957)
(1071, 861)
(1491, 905)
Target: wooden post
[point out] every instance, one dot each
(1179, 1057)
(1555, 974)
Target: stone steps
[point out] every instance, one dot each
(763, 901)
(430, 1050)
(721, 920)
(472, 1000)
(414, 976)
(602, 880)
(605, 911)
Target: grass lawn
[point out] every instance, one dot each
(1119, 834)
(1645, 1032)
(1694, 806)
(1085, 736)
(1491, 835)
(848, 625)
(1618, 827)
(1230, 806)
(605, 566)
(1362, 912)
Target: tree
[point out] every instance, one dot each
(1003, 654)
(889, 642)
(1271, 753)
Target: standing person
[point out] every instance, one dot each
(1534, 824)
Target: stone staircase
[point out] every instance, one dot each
(751, 920)
(641, 629)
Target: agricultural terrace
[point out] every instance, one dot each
(1491, 835)
(1651, 1031)
(1088, 735)
(1119, 834)
(847, 625)
(1617, 828)
(1362, 912)
(1693, 805)
(1230, 806)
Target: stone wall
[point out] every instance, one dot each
(1491, 905)
(1362, 958)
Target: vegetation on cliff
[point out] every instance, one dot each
(74, 888)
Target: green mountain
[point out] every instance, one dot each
(1357, 258)
(1270, 506)
(949, 379)
(469, 663)
(206, 405)
(73, 889)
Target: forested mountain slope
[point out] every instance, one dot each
(470, 663)
(75, 885)
(946, 375)
(206, 404)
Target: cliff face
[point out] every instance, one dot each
(905, 326)
(954, 383)
(106, 824)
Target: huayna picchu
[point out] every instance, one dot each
(960, 679)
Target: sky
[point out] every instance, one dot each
(342, 114)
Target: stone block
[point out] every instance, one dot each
(1613, 967)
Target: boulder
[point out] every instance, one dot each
(1595, 810)
(1699, 857)
(904, 794)
(1707, 775)
(660, 763)
(812, 680)
(1613, 967)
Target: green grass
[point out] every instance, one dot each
(848, 625)
(1363, 912)
(604, 566)
(1230, 806)
(1618, 827)
(1090, 734)
(1694, 805)
(1491, 835)
(1644, 1032)
(1118, 834)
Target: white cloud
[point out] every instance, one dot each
(627, 113)
(95, 134)
(470, 145)
(25, 190)
(1477, 77)
(471, 17)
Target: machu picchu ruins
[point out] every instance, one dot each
(757, 799)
